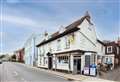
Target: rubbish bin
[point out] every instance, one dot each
(93, 71)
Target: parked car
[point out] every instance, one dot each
(0, 61)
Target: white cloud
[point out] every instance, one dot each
(19, 21)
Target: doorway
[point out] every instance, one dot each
(49, 62)
(77, 65)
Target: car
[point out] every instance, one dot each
(0, 62)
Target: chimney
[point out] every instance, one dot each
(45, 34)
(87, 15)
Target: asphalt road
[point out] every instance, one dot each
(112, 75)
(15, 72)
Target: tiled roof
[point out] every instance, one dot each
(68, 29)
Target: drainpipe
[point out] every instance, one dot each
(69, 62)
(34, 60)
(55, 62)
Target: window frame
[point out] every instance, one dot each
(111, 49)
(67, 42)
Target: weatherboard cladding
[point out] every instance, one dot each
(69, 29)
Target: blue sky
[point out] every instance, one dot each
(21, 18)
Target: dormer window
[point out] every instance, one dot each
(109, 49)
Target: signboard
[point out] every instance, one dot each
(93, 71)
(86, 70)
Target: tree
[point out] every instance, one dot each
(13, 57)
(2, 56)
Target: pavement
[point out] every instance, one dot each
(17, 72)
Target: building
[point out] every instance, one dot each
(109, 53)
(71, 48)
(100, 51)
(112, 53)
(30, 51)
(19, 55)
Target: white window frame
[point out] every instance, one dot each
(67, 43)
(108, 49)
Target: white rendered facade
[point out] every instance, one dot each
(69, 52)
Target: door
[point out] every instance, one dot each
(77, 66)
(49, 62)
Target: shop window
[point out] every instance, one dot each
(63, 59)
(59, 59)
(92, 59)
(87, 60)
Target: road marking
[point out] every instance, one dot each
(23, 80)
(15, 73)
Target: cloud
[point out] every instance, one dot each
(22, 21)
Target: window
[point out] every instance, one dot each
(87, 60)
(92, 59)
(106, 60)
(63, 59)
(109, 49)
(71, 38)
(58, 44)
(67, 42)
(90, 27)
(110, 60)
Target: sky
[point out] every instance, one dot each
(21, 18)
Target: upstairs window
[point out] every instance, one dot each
(67, 42)
(58, 45)
(109, 49)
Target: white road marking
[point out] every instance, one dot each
(15, 73)
(23, 80)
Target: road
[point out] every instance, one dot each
(15, 72)
(112, 75)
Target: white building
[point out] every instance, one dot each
(71, 48)
(30, 51)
